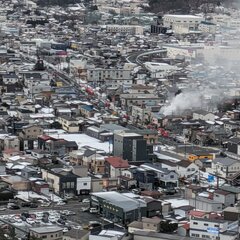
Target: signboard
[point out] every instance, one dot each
(214, 230)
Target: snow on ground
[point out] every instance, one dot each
(26, 196)
(85, 140)
(176, 203)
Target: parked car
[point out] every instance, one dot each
(33, 205)
(93, 210)
(25, 204)
(14, 207)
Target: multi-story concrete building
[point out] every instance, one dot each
(213, 229)
(133, 29)
(110, 77)
(130, 146)
(182, 23)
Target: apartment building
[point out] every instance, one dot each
(133, 29)
(109, 77)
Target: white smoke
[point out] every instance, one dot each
(190, 100)
(181, 102)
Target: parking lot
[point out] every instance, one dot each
(69, 216)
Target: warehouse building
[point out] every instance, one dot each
(118, 207)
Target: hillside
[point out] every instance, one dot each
(182, 6)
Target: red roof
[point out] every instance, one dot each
(117, 162)
(46, 137)
(197, 213)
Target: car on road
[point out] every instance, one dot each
(14, 207)
(93, 210)
(25, 204)
(47, 204)
(61, 203)
(86, 200)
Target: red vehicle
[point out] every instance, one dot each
(89, 91)
(163, 132)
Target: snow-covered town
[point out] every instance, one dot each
(119, 120)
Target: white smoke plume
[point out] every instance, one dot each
(201, 99)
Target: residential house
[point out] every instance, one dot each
(147, 224)
(231, 189)
(76, 157)
(203, 115)
(97, 165)
(186, 169)
(40, 186)
(69, 124)
(11, 78)
(233, 145)
(9, 143)
(47, 232)
(29, 172)
(56, 146)
(145, 178)
(63, 181)
(205, 204)
(29, 135)
(165, 178)
(114, 166)
(87, 111)
(224, 197)
(17, 183)
(225, 167)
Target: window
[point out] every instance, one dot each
(205, 224)
(85, 184)
(195, 235)
(195, 223)
(171, 176)
(205, 236)
(216, 225)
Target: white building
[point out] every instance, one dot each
(133, 29)
(182, 23)
(188, 52)
(83, 185)
(160, 70)
(213, 229)
(110, 77)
